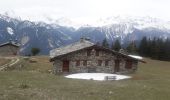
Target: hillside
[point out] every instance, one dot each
(37, 64)
(34, 81)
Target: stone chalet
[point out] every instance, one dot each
(87, 57)
(10, 48)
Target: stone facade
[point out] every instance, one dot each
(8, 50)
(98, 60)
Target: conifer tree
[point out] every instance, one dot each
(116, 46)
(131, 48)
(105, 43)
(167, 50)
(143, 47)
(155, 48)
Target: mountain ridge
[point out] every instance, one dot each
(49, 36)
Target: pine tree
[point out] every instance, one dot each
(161, 49)
(155, 48)
(35, 51)
(131, 48)
(116, 46)
(148, 49)
(143, 47)
(167, 50)
(105, 43)
(98, 43)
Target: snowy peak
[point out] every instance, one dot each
(33, 34)
(136, 22)
(68, 22)
(129, 22)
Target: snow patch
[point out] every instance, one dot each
(50, 43)
(135, 56)
(96, 76)
(25, 40)
(36, 32)
(63, 21)
(10, 30)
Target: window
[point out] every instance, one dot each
(99, 62)
(85, 63)
(88, 52)
(97, 52)
(128, 64)
(78, 63)
(14, 53)
(106, 63)
(117, 65)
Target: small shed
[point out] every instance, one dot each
(10, 48)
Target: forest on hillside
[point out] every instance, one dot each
(155, 48)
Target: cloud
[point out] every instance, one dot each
(85, 9)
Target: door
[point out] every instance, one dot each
(117, 63)
(128, 64)
(66, 66)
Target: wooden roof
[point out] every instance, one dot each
(80, 45)
(10, 43)
(70, 48)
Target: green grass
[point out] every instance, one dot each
(37, 63)
(150, 82)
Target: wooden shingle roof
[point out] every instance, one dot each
(10, 43)
(70, 48)
(82, 44)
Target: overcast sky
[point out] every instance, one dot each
(86, 9)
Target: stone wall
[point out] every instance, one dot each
(92, 62)
(124, 70)
(57, 66)
(8, 50)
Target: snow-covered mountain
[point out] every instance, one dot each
(54, 33)
(129, 21)
(138, 22)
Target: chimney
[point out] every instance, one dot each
(10, 40)
(82, 39)
(87, 38)
(122, 51)
(16, 41)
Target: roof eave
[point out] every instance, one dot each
(115, 52)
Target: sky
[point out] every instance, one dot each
(84, 9)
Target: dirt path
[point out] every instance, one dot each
(13, 61)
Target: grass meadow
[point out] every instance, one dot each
(31, 79)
